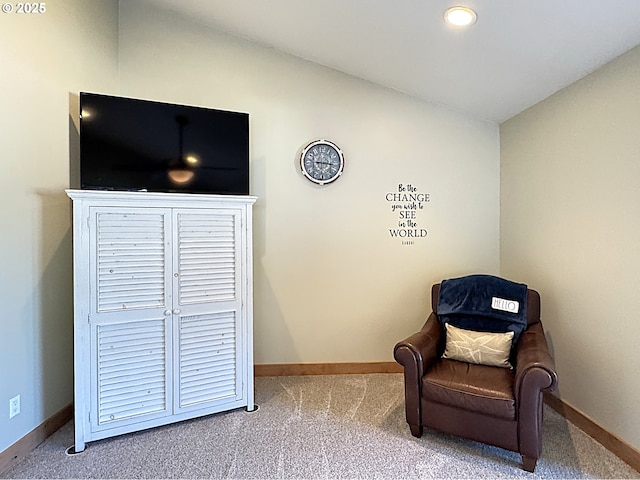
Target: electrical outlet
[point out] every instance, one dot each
(14, 406)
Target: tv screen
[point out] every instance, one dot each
(140, 145)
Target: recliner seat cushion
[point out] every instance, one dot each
(478, 388)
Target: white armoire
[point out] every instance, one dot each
(163, 321)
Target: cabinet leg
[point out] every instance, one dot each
(72, 450)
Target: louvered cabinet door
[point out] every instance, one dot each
(130, 316)
(207, 292)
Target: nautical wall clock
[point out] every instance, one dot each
(322, 162)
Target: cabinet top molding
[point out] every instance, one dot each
(165, 198)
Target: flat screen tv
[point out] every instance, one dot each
(140, 145)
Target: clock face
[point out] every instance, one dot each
(322, 162)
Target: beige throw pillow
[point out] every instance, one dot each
(483, 348)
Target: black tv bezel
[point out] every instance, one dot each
(121, 183)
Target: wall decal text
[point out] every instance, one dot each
(407, 202)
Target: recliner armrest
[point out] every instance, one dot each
(416, 353)
(535, 373)
(420, 349)
(533, 356)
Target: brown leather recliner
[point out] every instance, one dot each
(493, 405)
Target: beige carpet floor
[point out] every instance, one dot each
(342, 426)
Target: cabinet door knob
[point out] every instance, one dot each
(167, 312)
(176, 311)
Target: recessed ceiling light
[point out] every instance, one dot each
(460, 16)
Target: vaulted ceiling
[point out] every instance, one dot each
(517, 53)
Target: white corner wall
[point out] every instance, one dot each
(570, 192)
(45, 59)
(331, 285)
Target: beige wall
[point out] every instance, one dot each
(330, 283)
(43, 59)
(570, 226)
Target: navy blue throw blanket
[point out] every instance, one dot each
(484, 303)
